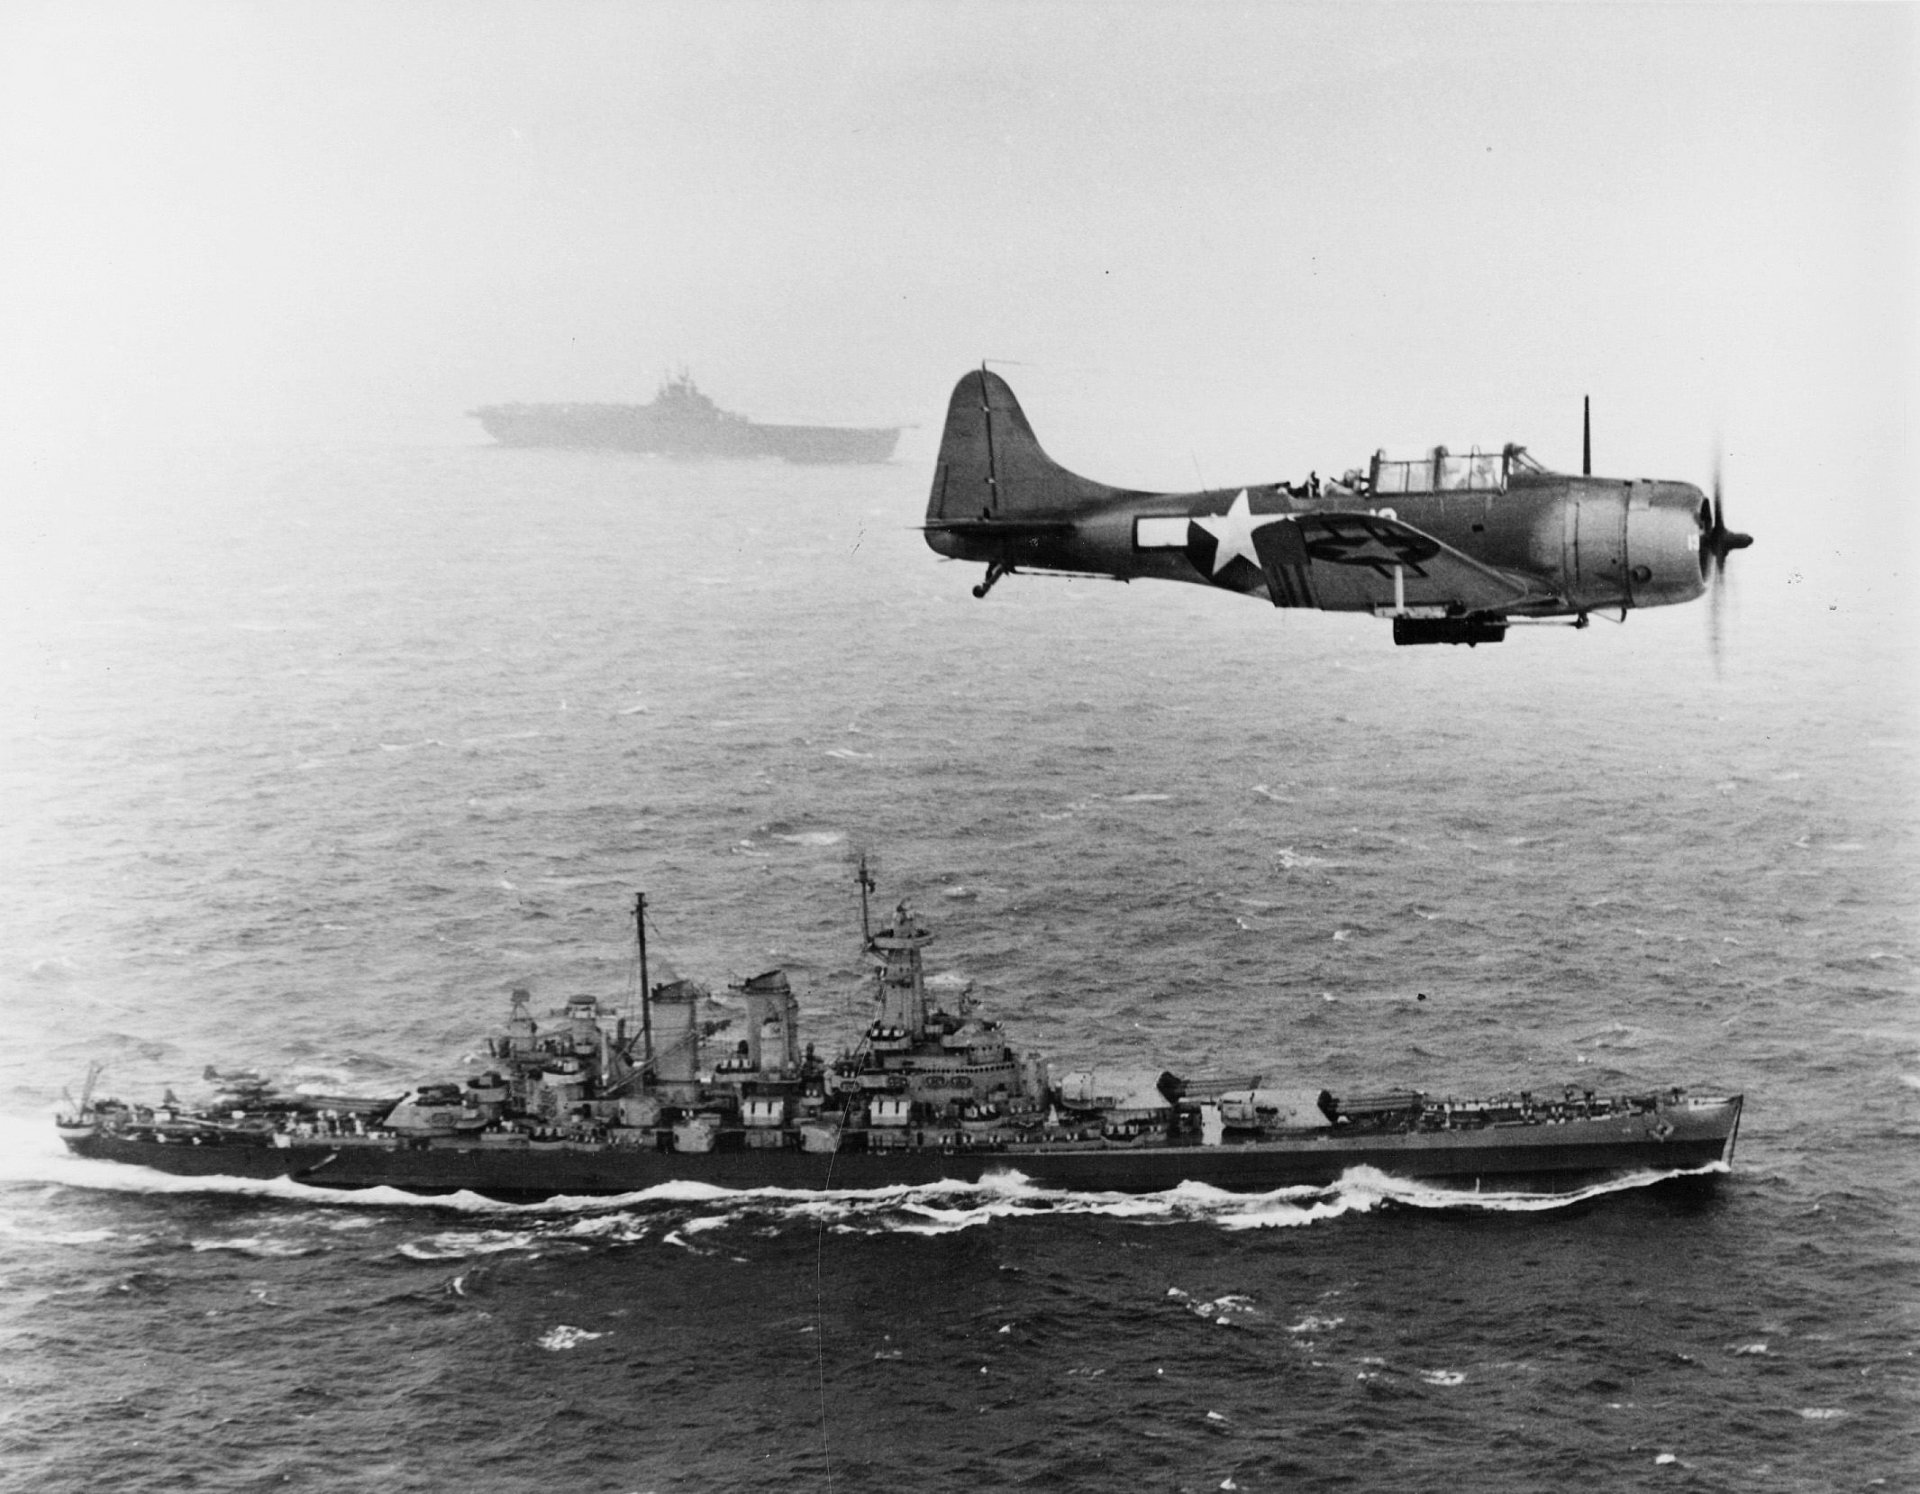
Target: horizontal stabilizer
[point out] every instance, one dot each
(987, 528)
(1364, 562)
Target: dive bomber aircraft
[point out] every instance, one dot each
(1452, 547)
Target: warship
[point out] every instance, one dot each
(599, 1103)
(682, 422)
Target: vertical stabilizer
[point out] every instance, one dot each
(991, 465)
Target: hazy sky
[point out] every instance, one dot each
(1221, 241)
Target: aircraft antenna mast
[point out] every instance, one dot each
(1586, 435)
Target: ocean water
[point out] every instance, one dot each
(310, 755)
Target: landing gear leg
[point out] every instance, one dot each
(995, 570)
(1580, 621)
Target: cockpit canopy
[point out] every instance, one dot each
(1441, 471)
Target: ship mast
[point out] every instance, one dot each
(865, 878)
(646, 991)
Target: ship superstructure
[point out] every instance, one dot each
(916, 1072)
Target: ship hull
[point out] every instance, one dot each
(638, 428)
(1558, 1157)
(827, 445)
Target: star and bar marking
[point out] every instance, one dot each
(1233, 530)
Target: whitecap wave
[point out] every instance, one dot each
(1616, 1035)
(566, 1336)
(257, 1246)
(1229, 1311)
(455, 1245)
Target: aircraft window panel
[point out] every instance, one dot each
(1396, 477)
(1476, 471)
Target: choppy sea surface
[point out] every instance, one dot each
(310, 755)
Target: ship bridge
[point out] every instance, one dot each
(1443, 471)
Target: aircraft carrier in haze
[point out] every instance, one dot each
(682, 422)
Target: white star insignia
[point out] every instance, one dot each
(1232, 532)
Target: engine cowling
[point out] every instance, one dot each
(1628, 544)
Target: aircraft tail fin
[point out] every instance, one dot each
(991, 466)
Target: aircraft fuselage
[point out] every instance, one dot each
(1588, 544)
(1449, 546)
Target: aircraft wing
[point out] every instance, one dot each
(1357, 562)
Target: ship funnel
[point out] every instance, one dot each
(676, 1033)
(773, 1017)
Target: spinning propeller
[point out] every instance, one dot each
(1716, 543)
